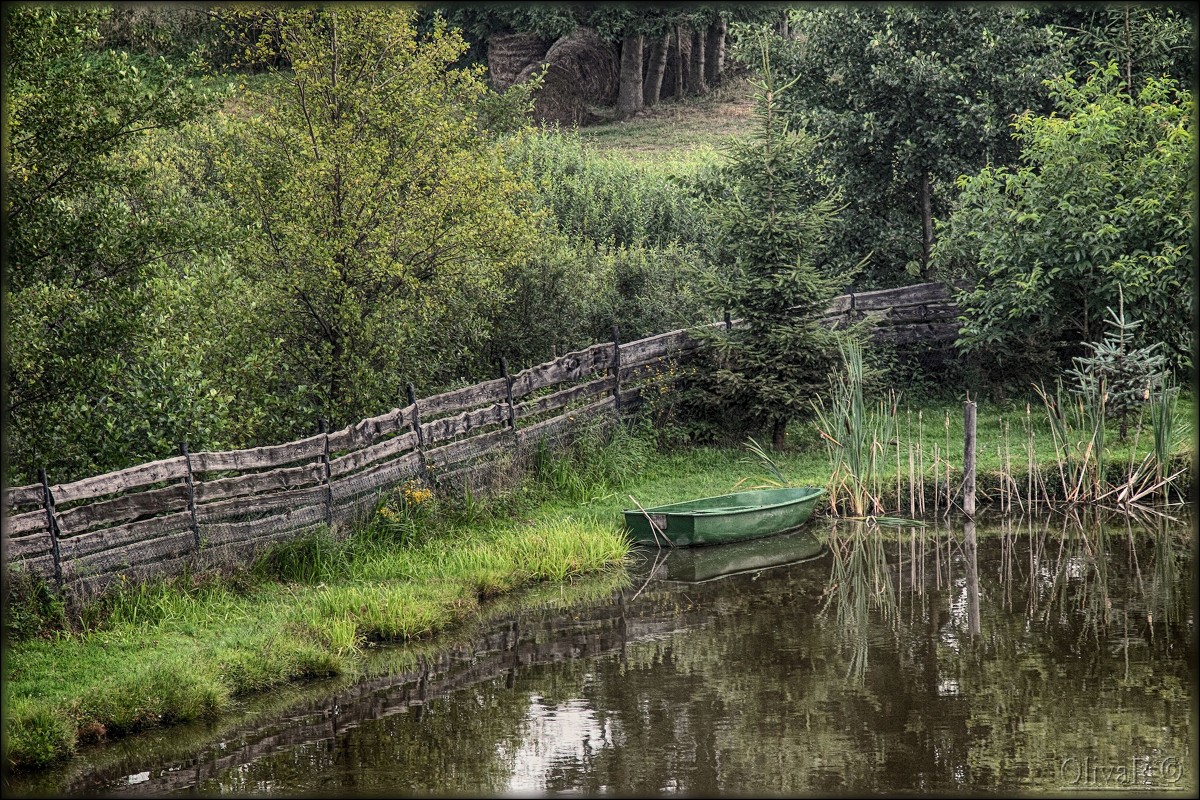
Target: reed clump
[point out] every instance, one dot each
(886, 460)
(856, 438)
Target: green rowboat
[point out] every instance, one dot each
(722, 519)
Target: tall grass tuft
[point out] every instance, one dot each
(309, 559)
(853, 435)
(602, 458)
(774, 477)
(1077, 428)
(1167, 438)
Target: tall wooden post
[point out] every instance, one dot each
(416, 428)
(52, 525)
(191, 489)
(323, 428)
(969, 458)
(508, 384)
(616, 336)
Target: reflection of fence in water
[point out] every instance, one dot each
(201, 510)
(500, 649)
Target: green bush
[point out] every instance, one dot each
(1101, 204)
(31, 607)
(603, 199)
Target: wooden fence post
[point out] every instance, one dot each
(52, 523)
(969, 458)
(322, 427)
(616, 336)
(508, 384)
(422, 469)
(187, 460)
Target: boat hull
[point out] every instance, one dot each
(724, 518)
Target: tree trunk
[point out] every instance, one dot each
(696, 73)
(681, 63)
(926, 224)
(714, 58)
(1128, 57)
(629, 96)
(783, 24)
(778, 433)
(658, 67)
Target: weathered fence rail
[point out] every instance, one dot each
(198, 510)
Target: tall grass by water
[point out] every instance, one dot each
(1071, 455)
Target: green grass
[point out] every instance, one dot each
(161, 654)
(675, 136)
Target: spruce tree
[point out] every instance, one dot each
(1116, 372)
(774, 215)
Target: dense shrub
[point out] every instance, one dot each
(1100, 205)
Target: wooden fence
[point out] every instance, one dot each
(199, 510)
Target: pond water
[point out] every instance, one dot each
(1048, 654)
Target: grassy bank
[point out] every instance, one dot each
(165, 654)
(161, 654)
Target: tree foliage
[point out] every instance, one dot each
(92, 214)
(905, 98)
(1144, 40)
(385, 221)
(1101, 203)
(775, 222)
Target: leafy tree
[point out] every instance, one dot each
(386, 220)
(90, 220)
(774, 226)
(1144, 40)
(905, 98)
(1100, 204)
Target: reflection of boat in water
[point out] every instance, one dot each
(697, 564)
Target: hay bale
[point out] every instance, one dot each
(510, 53)
(595, 62)
(558, 100)
(581, 70)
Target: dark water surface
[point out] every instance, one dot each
(1055, 655)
